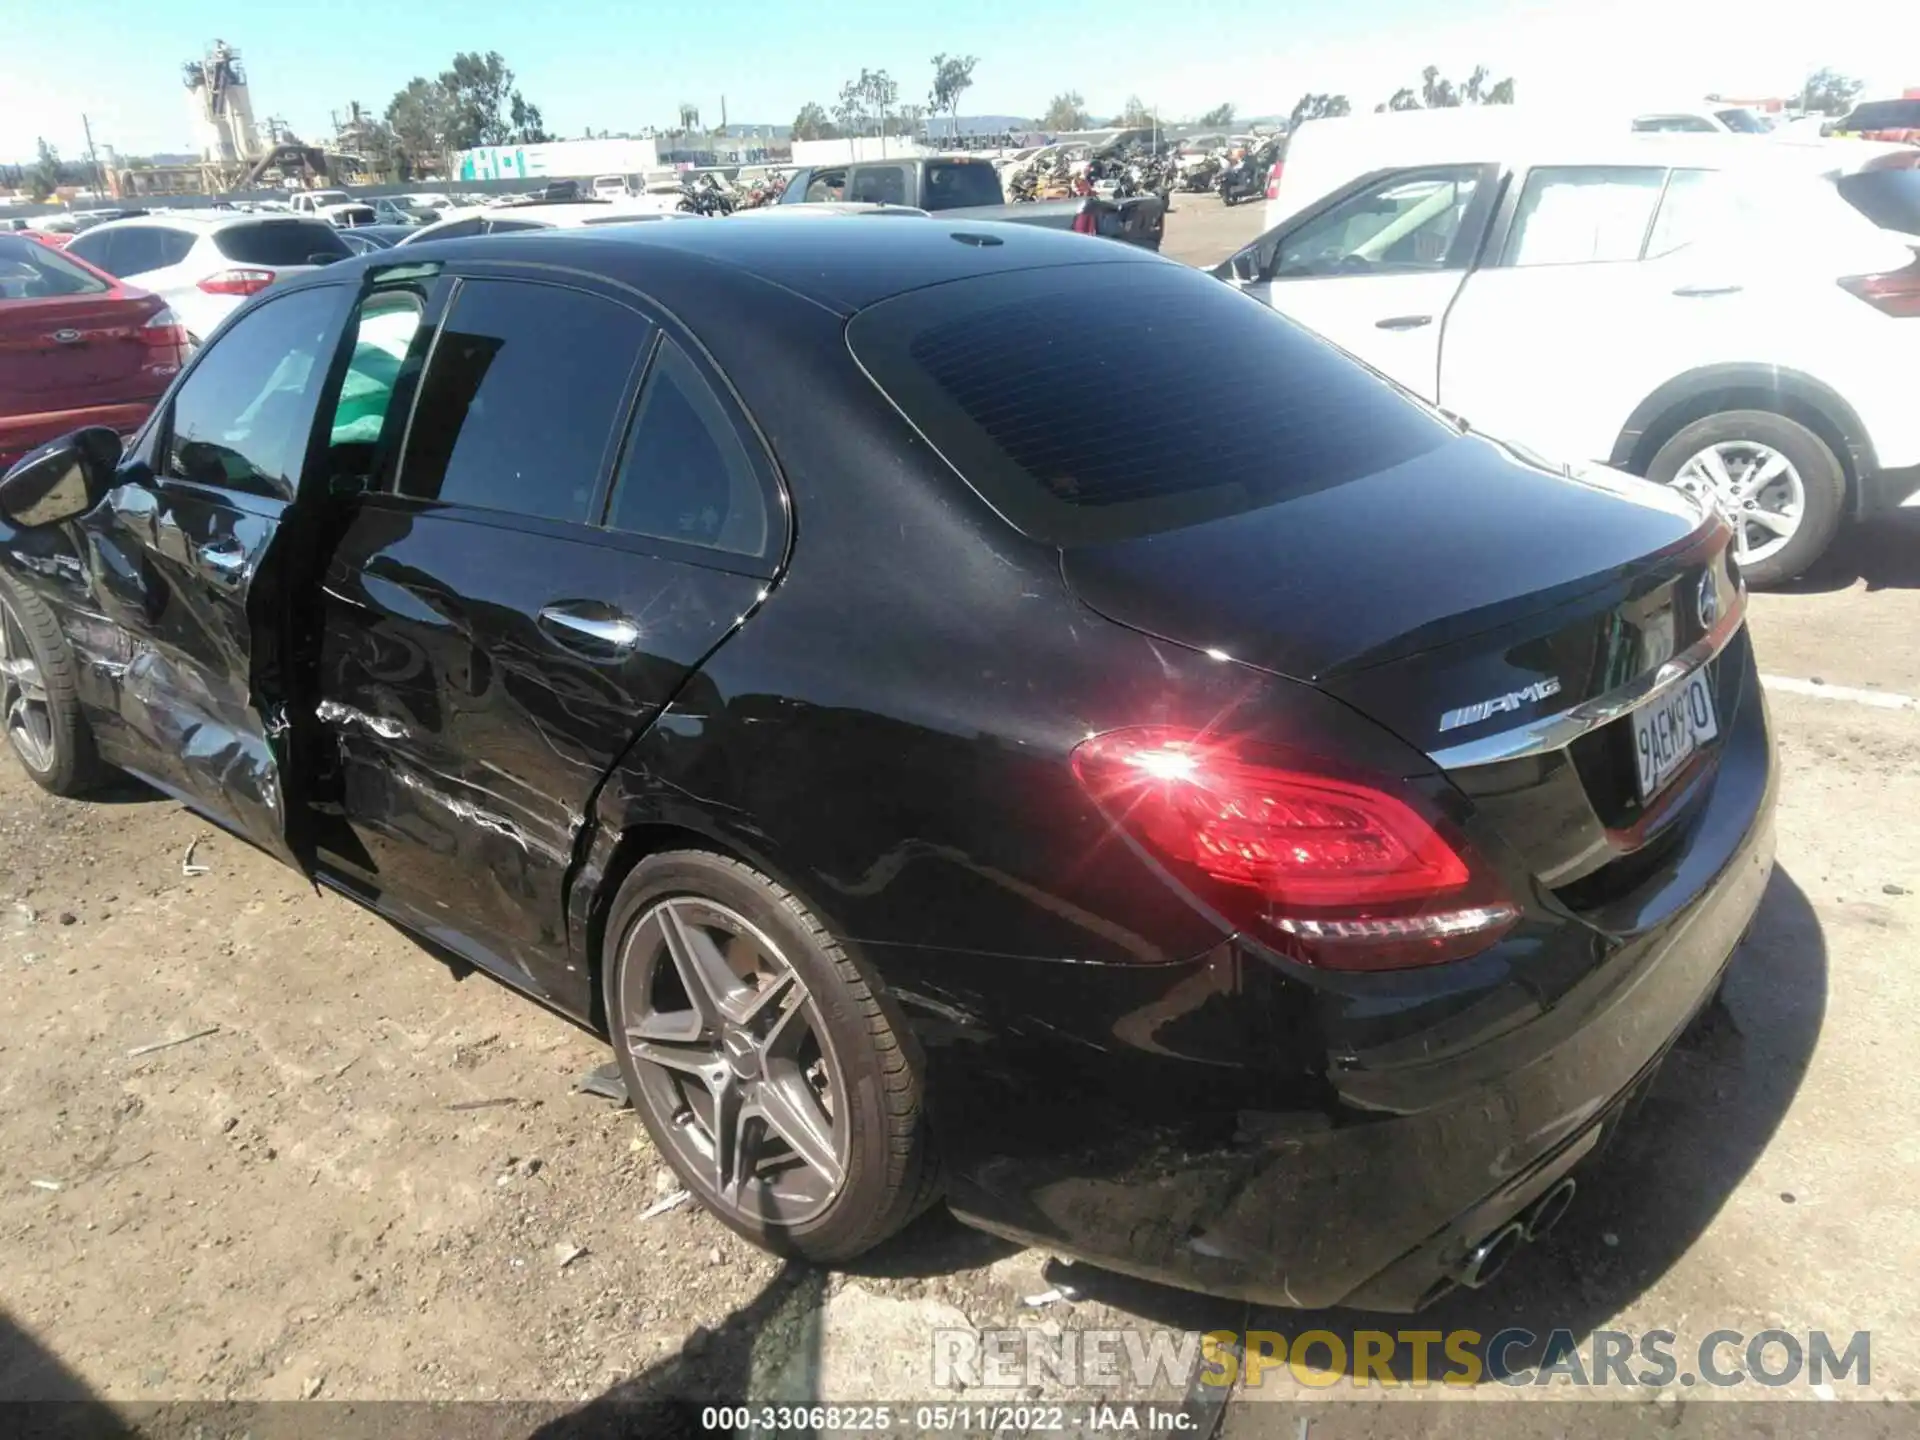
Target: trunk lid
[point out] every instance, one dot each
(65, 352)
(1504, 620)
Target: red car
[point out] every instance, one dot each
(77, 347)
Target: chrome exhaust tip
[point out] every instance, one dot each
(1490, 1256)
(1545, 1212)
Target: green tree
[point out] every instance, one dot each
(1501, 94)
(1221, 115)
(1317, 107)
(952, 78)
(44, 178)
(418, 118)
(1828, 92)
(1403, 99)
(1066, 111)
(529, 125)
(812, 123)
(1135, 115)
(1439, 93)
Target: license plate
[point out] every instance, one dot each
(1668, 731)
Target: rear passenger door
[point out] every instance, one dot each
(569, 512)
(1596, 289)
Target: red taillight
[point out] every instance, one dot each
(1896, 292)
(1086, 222)
(237, 282)
(1273, 180)
(1339, 872)
(166, 338)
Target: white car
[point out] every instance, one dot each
(1705, 311)
(610, 187)
(499, 219)
(205, 265)
(317, 202)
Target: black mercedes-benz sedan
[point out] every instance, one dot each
(967, 711)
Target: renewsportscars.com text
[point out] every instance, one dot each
(1390, 1359)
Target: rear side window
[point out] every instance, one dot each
(521, 399)
(878, 185)
(280, 242)
(1580, 214)
(953, 185)
(1884, 115)
(1889, 198)
(686, 476)
(1107, 400)
(502, 227)
(30, 270)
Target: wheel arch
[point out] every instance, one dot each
(1716, 388)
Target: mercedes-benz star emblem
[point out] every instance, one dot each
(66, 337)
(1708, 601)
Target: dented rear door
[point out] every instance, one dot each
(559, 548)
(198, 564)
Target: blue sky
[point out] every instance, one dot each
(622, 66)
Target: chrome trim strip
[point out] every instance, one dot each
(1556, 732)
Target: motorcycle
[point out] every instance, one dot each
(705, 195)
(1198, 175)
(1246, 178)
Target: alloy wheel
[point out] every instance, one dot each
(1756, 487)
(23, 695)
(734, 1060)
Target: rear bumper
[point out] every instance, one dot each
(21, 433)
(1890, 490)
(1425, 1110)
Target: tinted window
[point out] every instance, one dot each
(827, 185)
(280, 242)
(1578, 214)
(241, 419)
(133, 250)
(521, 398)
(1044, 389)
(686, 475)
(95, 247)
(878, 185)
(1743, 122)
(1889, 198)
(30, 270)
(950, 185)
(1407, 222)
(1684, 124)
(1884, 115)
(458, 230)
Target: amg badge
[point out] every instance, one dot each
(1499, 704)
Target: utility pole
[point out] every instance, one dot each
(99, 180)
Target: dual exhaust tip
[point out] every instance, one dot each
(1490, 1256)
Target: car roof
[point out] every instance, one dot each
(208, 224)
(843, 267)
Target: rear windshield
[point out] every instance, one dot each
(1109, 400)
(952, 185)
(1884, 115)
(32, 270)
(280, 242)
(1889, 198)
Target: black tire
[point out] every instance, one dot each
(73, 768)
(1822, 478)
(890, 1172)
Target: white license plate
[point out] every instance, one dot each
(1668, 731)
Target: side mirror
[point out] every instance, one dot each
(1244, 268)
(62, 480)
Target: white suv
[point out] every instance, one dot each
(1706, 311)
(205, 266)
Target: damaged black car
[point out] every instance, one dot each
(968, 712)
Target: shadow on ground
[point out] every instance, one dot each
(1884, 552)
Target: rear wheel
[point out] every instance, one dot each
(1779, 484)
(762, 1059)
(39, 700)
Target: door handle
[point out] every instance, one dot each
(1697, 292)
(1403, 322)
(608, 633)
(225, 558)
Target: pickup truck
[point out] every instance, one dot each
(963, 186)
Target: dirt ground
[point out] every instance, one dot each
(256, 1144)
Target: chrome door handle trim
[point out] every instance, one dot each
(1403, 322)
(615, 634)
